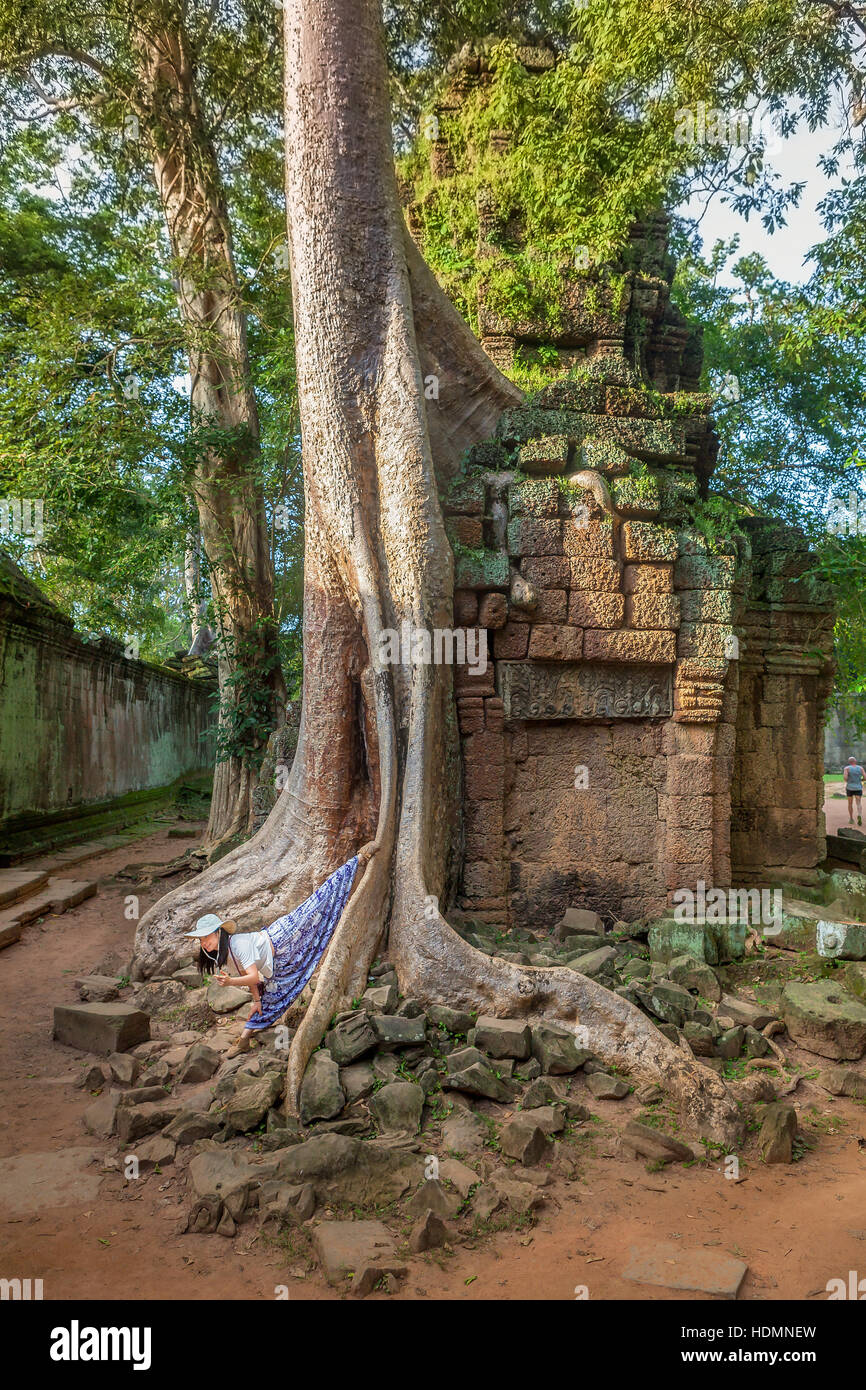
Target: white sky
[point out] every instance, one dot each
(786, 251)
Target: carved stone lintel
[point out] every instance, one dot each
(584, 690)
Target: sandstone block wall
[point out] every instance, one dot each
(81, 724)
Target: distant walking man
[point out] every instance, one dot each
(852, 776)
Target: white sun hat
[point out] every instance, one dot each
(209, 923)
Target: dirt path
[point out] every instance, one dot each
(67, 1219)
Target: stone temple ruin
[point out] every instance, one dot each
(652, 712)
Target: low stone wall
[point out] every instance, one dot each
(81, 724)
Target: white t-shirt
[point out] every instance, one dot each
(251, 948)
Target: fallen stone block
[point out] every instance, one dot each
(777, 1133)
(368, 1278)
(97, 989)
(396, 1108)
(345, 1247)
(137, 1121)
(428, 1232)
(342, 1168)
(579, 919)
(199, 1064)
(668, 1266)
(638, 1133)
(351, 1038)
(606, 1087)
(321, 1097)
(844, 1081)
(557, 1051)
(824, 1019)
(503, 1037)
(521, 1138)
(100, 1117)
(745, 1012)
(100, 1028)
(478, 1080)
(392, 1031)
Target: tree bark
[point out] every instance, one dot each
(378, 744)
(226, 484)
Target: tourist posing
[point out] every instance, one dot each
(277, 962)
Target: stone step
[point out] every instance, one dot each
(19, 883)
(57, 896)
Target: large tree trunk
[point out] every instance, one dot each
(226, 482)
(378, 745)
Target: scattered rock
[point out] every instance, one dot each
(199, 1064)
(158, 1152)
(224, 999)
(549, 1118)
(844, 1081)
(94, 1078)
(594, 963)
(520, 1197)
(357, 1081)
(97, 989)
(188, 1126)
(503, 1037)
(350, 1039)
(396, 1108)
(695, 975)
(700, 1039)
(777, 1133)
(250, 1104)
(452, 1020)
(606, 1087)
(556, 1050)
(322, 1096)
(463, 1132)
(729, 1044)
(639, 1136)
(744, 1012)
(540, 1092)
(382, 999)
(523, 1139)
(478, 1080)
(346, 1169)
(432, 1196)
(485, 1202)
(428, 1232)
(393, 1031)
(460, 1175)
(100, 1117)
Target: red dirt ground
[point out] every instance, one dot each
(93, 1236)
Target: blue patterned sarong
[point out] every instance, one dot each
(300, 939)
